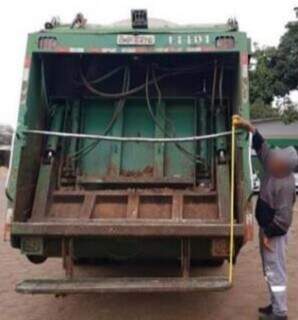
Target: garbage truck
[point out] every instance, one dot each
(122, 151)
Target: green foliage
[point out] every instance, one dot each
(285, 64)
(275, 74)
(290, 115)
(260, 110)
(290, 111)
(262, 78)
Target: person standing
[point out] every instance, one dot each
(274, 212)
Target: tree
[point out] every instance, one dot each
(262, 77)
(260, 110)
(289, 110)
(285, 63)
(275, 74)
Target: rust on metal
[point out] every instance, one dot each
(133, 206)
(146, 172)
(220, 247)
(177, 206)
(87, 207)
(129, 227)
(185, 258)
(67, 256)
(159, 203)
(200, 208)
(110, 207)
(153, 207)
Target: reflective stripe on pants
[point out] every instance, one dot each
(274, 267)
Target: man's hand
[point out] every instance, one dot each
(266, 243)
(240, 122)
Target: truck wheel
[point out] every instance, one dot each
(36, 259)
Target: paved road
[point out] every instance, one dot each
(238, 303)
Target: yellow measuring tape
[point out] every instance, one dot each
(233, 152)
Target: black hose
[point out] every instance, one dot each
(121, 103)
(104, 77)
(186, 152)
(119, 95)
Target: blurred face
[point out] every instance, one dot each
(278, 167)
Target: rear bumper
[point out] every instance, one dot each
(123, 285)
(129, 228)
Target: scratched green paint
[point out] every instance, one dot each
(126, 157)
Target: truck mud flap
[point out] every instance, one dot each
(122, 285)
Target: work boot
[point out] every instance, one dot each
(266, 310)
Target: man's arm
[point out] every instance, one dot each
(258, 142)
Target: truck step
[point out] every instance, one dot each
(124, 285)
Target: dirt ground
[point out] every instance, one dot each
(239, 303)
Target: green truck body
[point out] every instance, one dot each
(81, 197)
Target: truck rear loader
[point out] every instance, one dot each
(122, 151)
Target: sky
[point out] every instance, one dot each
(263, 20)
